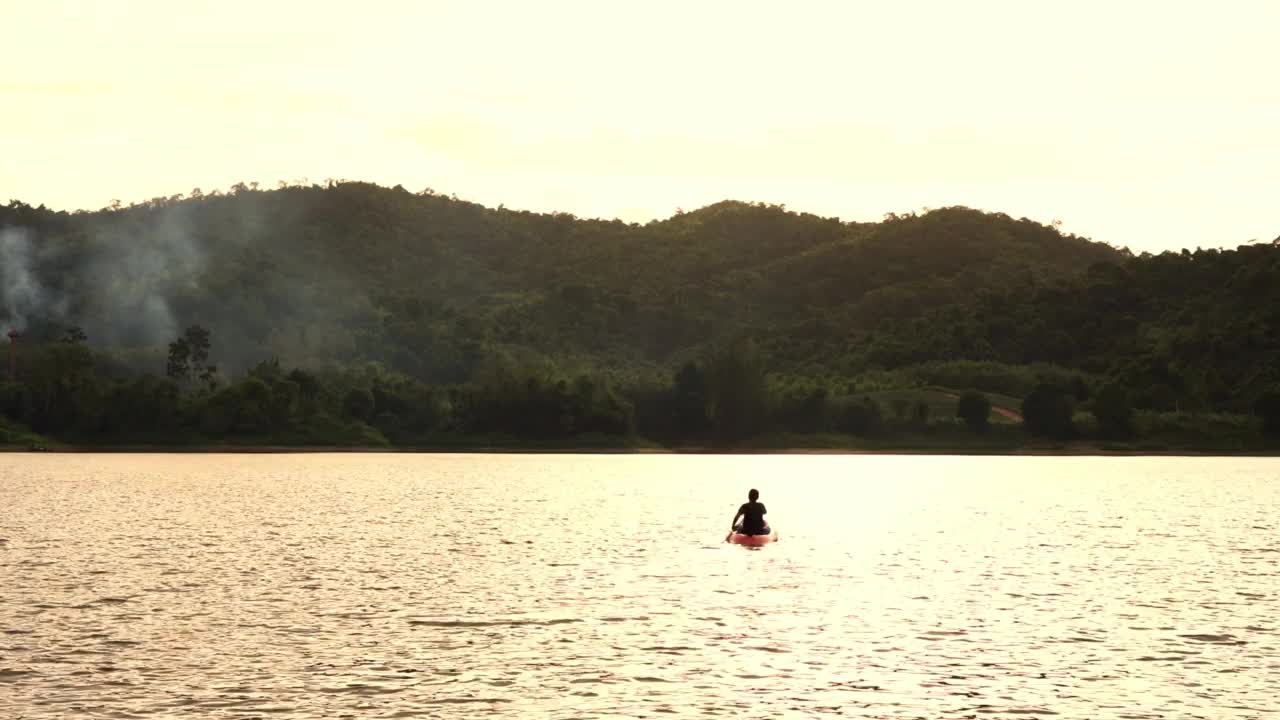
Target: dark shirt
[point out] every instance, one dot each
(752, 517)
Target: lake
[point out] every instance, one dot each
(562, 586)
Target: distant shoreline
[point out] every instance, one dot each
(1066, 451)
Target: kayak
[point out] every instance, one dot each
(738, 538)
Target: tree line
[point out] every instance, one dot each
(730, 397)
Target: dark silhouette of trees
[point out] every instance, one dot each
(1048, 411)
(1268, 408)
(189, 358)
(1114, 412)
(358, 404)
(975, 410)
(738, 393)
(689, 402)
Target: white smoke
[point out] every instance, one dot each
(133, 279)
(129, 275)
(123, 277)
(22, 291)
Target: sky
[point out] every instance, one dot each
(1150, 125)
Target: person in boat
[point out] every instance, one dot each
(752, 513)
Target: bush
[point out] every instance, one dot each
(1085, 423)
(975, 410)
(1047, 411)
(859, 417)
(1197, 428)
(358, 405)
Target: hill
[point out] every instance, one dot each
(356, 314)
(425, 283)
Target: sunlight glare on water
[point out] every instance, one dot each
(331, 585)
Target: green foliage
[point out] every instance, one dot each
(189, 358)
(1085, 424)
(429, 285)
(803, 407)
(690, 402)
(15, 434)
(403, 318)
(1114, 412)
(975, 410)
(144, 404)
(358, 404)
(858, 416)
(1048, 411)
(737, 390)
(56, 391)
(13, 401)
(902, 405)
(1217, 431)
(240, 409)
(994, 377)
(1268, 408)
(920, 415)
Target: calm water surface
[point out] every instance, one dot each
(372, 586)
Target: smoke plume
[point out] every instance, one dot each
(245, 267)
(22, 291)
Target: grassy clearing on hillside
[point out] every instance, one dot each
(900, 404)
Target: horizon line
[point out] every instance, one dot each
(243, 186)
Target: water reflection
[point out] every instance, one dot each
(562, 586)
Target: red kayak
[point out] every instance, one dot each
(738, 538)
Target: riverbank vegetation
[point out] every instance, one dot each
(352, 315)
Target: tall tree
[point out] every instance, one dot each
(189, 358)
(738, 390)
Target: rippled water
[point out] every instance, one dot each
(585, 586)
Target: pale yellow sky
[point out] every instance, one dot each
(1148, 124)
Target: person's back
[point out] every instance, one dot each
(752, 513)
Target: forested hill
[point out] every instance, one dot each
(431, 286)
(354, 314)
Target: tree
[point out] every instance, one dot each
(308, 391)
(802, 407)
(358, 404)
(739, 394)
(189, 355)
(145, 404)
(689, 401)
(1268, 408)
(178, 365)
(1114, 411)
(258, 411)
(920, 415)
(860, 417)
(62, 390)
(975, 410)
(199, 343)
(1047, 411)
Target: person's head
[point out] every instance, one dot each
(753, 495)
